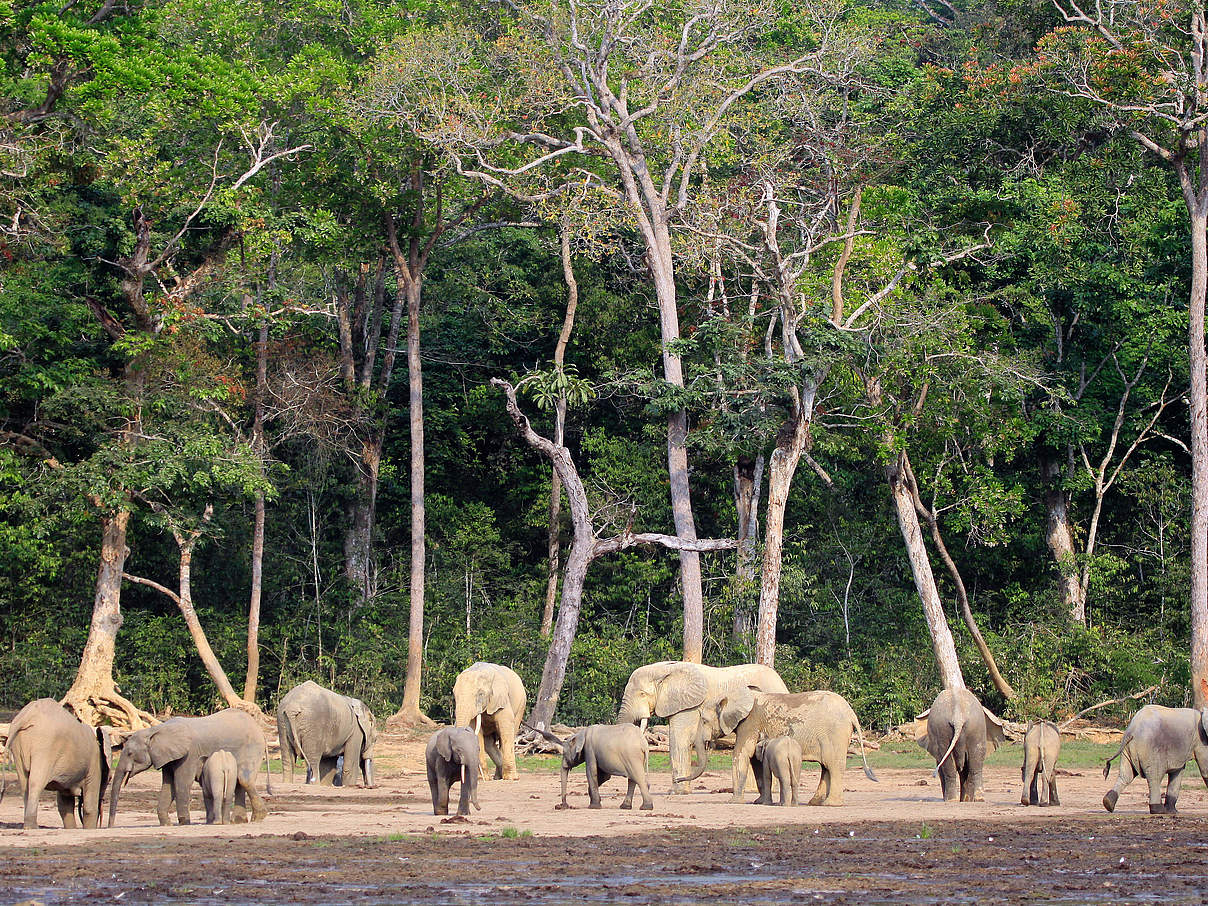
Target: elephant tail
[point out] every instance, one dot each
(957, 729)
(1107, 765)
(268, 774)
(860, 738)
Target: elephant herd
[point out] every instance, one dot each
(774, 731)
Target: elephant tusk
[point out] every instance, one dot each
(463, 773)
(478, 722)
(643, 723)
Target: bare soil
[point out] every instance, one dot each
(893, 842)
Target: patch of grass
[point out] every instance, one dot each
(925, 832)
(395, 837)
(512, 833)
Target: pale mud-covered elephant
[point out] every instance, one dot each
(678, 690)
(959, 733)
(1157, 745)
(1041, 746)
(52, 750)
(490, 699)
(821, 721)
(778, 758)
(322, 726)
(179, 747)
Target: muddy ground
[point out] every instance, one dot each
(893, 842)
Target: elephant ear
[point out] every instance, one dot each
(573, 749)
(367, 724)
(444, 746)
(732, 709)
(1204, 722)
(920, 729)
(996, 733)
(491, 696)
(168, 744)
(682, 688)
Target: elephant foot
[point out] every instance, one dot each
(627, 805)
(30, 825)
(979, 796)
(183, 821)
(1169, 809)
(561, 805)
(1109, 800)
(1157, 808)
(440, 811)
(648, 806)
(594, 805)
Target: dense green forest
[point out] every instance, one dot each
(889, 299)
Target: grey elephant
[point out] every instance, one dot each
(452, 757)
(218, 777)
(607, 750)
(179, 747)
(52, 750)
(322, 727)
(1041, 746)
(678, 691)
(491, 699)
(959, 733)
(821, 721)
(779, 758)
(1157, 745)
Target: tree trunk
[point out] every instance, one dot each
(358, 539)
(253, 610)
(1199, 451)
(789, 445)
(185, 602)
(409, 712)
(1060, 539)
(748, 481)
(924, 580)
(553, 675)
(93, 696)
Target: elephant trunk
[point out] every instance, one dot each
(565, 774)
(119, 779)
(367, 772)
(702, 757)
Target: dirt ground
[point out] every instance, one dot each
(893, 842)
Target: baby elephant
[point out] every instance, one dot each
(608, 750)
(1041, 746)
(779, 758)
(218, 777)
(452, 757)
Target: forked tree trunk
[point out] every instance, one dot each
(93, 696)
(358, 539)
(258, 444)
(1060, 540)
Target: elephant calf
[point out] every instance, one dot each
(1041, 746)
(1156, 746)
(779, 758)
(218, 778)
(608, 750)
(452, 757)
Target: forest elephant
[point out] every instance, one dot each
(607, 750)
(1157, 745)
(490, 699)
(218, 777)
(959, 733)
(822, 722)
(678, 690)
(179, 747)
(1041, 746)
(452, 757)
(52, 750)
(322, 726)
(779, 758)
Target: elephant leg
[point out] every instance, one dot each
(182, 788)
(1154, 778)
(246, 785)
(795, 782)
(35, 783)
(463, 803)
(495, 753)
(484, 760)
(834, 781)
(950, 782)
(681, 735)
(506, 723)
(164, 802)
(66, 804)
(328, 766)
(823, 791)
(593, 781)
(434, 789)
(627, 802)
(352, 760)
(1125, 777)
(442, 794)
(1054, 799)
(1174, 783)
(744, 748)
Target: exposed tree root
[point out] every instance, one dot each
(401, 720)
(107, 707)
